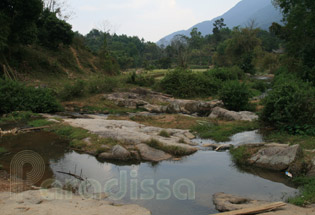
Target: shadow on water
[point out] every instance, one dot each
(208, 171)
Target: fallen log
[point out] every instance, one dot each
(256, 210)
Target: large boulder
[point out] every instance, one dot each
(150, 154)
(118, 153)
(227, 202)
(222, 113)
(276, 156)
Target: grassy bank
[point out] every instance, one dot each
(221, 131)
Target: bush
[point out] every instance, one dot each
(186, 84)
(235, 95)
(260, 85)
(223, 74)
(102, 85)
(15, 96)
(290, 106)
(140, 80)
(72, 91)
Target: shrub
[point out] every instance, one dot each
(102, 85)
(72, 91)
(260, 85)
(164, 133)
(15, 96)
(223, 74)
(235, 95)
(290, 106)
(186, 84)
(140, 80)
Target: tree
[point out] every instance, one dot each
(196, 39)
(299, 33)
(240, 48)
(53, 31)
(18, 21)
(217, 27)
(180, 47)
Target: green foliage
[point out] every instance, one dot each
(2, 150)
(186, 84)
(290, 106)
(307, 195)
(222, 132)
(305, 141)
(18, 116)
(260, 85)
(164, 133)
(298, 33)
(15, 96)
(141, 80)
(224, 74)
(235, 95)
(53, 31)
(102, 85)
(39, 123)
(20, 17)
(71, 91)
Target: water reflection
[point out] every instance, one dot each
(210, 172)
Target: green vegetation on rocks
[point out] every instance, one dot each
(221, 132)
(15, 96)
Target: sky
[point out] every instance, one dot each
(147, 19)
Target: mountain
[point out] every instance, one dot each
(262, 11)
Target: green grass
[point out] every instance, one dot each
(306, 142)
(164, 133)
(18, 116)
(2, 150)
(40, 123)
(307, 195)
(241, 154)
(173, 150)
(76, 137)
(221, 132)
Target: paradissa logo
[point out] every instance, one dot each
(116, 188)
(147, 189)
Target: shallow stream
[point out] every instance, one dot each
(207, 171)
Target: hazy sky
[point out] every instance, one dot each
(148, 19)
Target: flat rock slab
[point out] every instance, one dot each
(134, 133)
(276, 157)
(51, 202)
(148, 153)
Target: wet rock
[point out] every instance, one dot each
(227, 202)
(150, 154)
(118, 153)
(276, 157)
(219, 112)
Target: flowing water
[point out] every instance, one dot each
(207, 171)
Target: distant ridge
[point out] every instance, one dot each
(262, 11)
